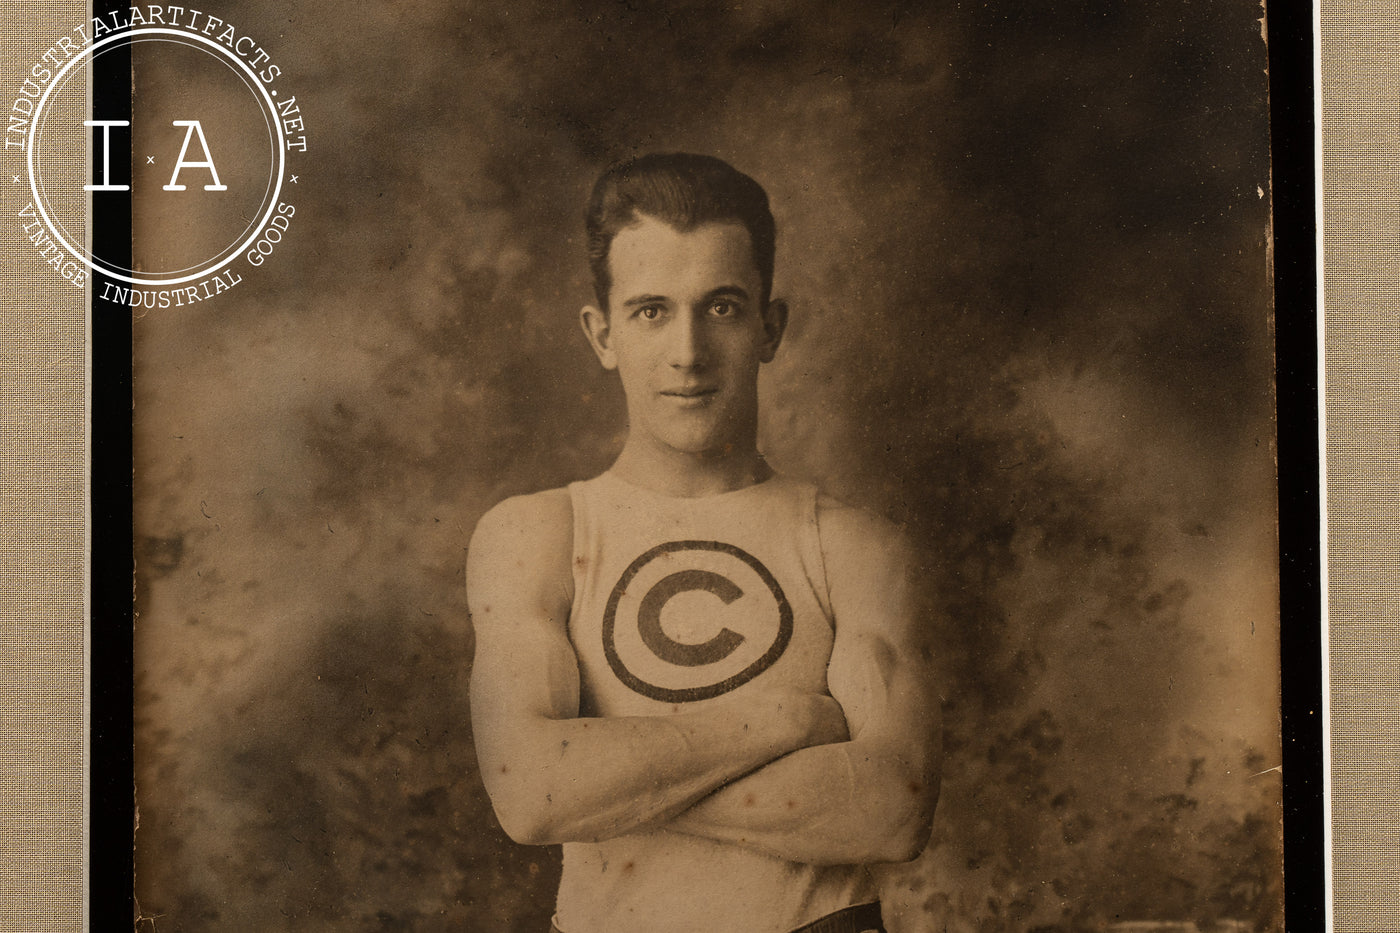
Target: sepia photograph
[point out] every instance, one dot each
(703, 467)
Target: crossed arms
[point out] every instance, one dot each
(850, 777)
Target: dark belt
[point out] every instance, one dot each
(862, 918)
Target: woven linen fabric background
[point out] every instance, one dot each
(1360, 88)
(43, 456)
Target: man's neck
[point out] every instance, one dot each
(690, 475)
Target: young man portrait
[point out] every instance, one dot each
(707, 680)
(1026, 252)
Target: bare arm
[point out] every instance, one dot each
(552, 776)
(871, 798)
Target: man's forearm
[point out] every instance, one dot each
(583, 780)
(828, 804)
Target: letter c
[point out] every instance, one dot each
(667, 648)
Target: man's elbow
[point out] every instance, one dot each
(522, 824)
(909, 827)
(526, 815)
(906, 841)
(536, 820)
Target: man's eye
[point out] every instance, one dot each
(650, 312)
(723, 308)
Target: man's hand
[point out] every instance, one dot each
(554, 777)
(819, 719)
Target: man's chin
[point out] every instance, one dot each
(701, 445)
(702, 433)
(702, 450)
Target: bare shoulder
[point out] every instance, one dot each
(852, 535)
(523, 545)
(872, 572)
(539, 515)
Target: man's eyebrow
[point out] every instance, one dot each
(728, 291)
(723, 291)
(644, 300)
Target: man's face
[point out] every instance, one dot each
(686, 333)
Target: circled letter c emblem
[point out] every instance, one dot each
(719, 664)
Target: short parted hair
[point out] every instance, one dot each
(685, 191)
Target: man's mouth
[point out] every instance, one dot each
(693, 392)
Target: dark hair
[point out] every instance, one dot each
(683, 190)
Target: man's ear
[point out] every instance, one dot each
(595, 327)
(775, 318)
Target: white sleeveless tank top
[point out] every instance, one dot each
(678, 601)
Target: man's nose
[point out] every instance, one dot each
(687, 345)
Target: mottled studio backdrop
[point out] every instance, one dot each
(1027, 255)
